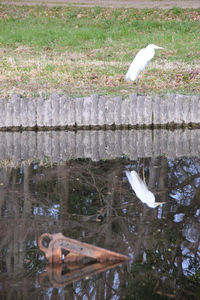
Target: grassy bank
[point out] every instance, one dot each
(80, 51)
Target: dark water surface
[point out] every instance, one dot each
(94, 203)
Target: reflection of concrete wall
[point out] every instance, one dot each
(97, 144)
(59, 111)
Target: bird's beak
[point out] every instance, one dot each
(161, 48)
(159, 203)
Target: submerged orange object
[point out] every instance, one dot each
(63, 249)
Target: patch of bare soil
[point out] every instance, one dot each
(164, 4)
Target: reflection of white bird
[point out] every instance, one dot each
(141, 189)
(140, 61)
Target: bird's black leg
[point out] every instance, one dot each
(143, 86)
(137, 82)
(143, 171)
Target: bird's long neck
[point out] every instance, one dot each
(151, 53)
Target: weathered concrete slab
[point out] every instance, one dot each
(60, 111)
(64, 111)
(133, 109)
(79, 108)
(102, 111)
(195, 109)
(55, 103)
(125, 112)
(109, 112)
(25, 118)
(2, 112)
(47, 109)
(186, 101)
(163, 112)
(9, 112)
(17, 117)
(71, 112)
(40, 112)
(86, 112)
(168, 109)
(94, 110)
(117, 110)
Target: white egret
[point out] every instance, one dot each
(140, 61)
(141, 190)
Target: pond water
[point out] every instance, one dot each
(93, 202)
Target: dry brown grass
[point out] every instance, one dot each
(27, 73)
(94, 51)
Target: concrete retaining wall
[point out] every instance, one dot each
(57, 146)
(59, 111)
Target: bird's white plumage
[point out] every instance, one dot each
(141, 190)
(140, 61)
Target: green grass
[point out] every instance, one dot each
(86, 50)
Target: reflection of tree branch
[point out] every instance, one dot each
(197, 195)
(165, 294)
(188, 292)
(94, 185)
(174, 255)
(186, 181)
(108, 205)
(136, 229)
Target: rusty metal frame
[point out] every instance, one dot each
(76, 251)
